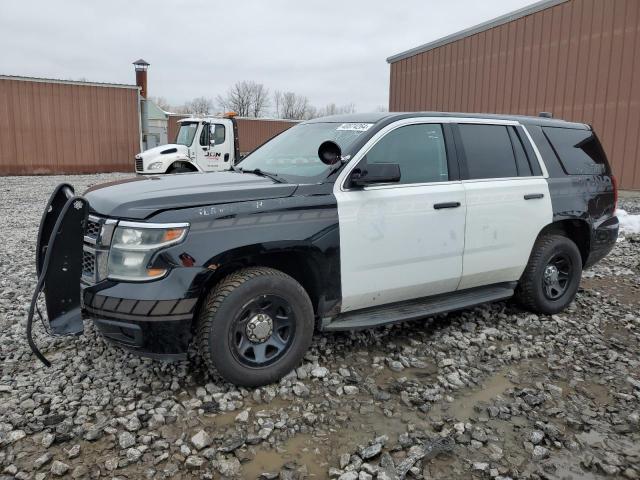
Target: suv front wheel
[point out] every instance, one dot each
(552, 276)
(255, 326)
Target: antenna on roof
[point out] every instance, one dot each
(545, 114)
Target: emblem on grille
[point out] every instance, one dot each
(77, 204)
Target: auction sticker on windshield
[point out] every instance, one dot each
(357, 127)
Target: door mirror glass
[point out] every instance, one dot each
(367, 174)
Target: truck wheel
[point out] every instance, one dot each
(255, 326)
(552, 277)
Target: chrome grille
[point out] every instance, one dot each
(97, 238)
(139, 165)
(88, 264)
(92, 229)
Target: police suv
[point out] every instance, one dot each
(338, 223)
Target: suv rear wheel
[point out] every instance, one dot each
(255, 326)
(552, 277)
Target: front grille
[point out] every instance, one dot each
(97, 238)
(88, 264)
(139, 165)
(92, 229)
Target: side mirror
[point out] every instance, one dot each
(330, 153)
(367, 174)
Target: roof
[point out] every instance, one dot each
(389, 117)
(509, 17)
(154, 112)
(68, 82)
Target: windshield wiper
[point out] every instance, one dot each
(257, 171)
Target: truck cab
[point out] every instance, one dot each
(203, 144)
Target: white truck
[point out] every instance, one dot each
(209, 144)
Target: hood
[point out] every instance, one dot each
(140, 197)
(171, 148)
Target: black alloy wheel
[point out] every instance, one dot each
(263, 331)
(255, 326)
(556, 276)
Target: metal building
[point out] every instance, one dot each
(579, 59)
(59, 126)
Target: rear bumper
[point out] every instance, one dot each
(603, 239)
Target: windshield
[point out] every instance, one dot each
(294, 153)
(186, 133)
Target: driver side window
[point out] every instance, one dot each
(418, 149)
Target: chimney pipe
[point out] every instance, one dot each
(141, 76)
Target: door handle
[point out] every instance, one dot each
(533, 196)
(439, 206)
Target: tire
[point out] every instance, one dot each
(233, 324)
(537, 291)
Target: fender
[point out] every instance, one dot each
(298, 235)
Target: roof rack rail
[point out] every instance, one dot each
(545, 114)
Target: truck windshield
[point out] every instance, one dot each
(186, 133)
(293, 155)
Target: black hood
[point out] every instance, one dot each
(140, 197)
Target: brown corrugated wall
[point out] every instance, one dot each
(54, 127)
(253, 132)
(579, 60)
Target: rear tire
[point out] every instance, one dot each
(552, 276)
(255, 326)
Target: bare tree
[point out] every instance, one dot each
(200, 106)
(246, 98)
(291, 106)
(333, 109)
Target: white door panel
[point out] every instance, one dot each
(395, 246)
(501, 227)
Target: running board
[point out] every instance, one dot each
(417, 309)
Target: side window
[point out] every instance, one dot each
(418, 149)
(488, 151)
(579, 151)
(217, 133)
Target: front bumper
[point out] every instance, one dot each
(160, 329)
(146, 317)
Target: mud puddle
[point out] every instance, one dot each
(463, 407)
(299, 450)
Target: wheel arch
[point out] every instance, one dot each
(182, 164)
(576, 230)
(301, 261)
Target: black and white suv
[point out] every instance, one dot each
(339, 223)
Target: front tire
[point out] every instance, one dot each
(255, 326)
(552, 277)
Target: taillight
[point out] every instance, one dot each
(614, 182)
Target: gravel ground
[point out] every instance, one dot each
(493, 392)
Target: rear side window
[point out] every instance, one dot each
(579, 151)
(418, 149)
(488, 151)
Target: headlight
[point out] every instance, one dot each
(134, 244)
(155, 166)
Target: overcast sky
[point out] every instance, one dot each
(330, 51)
